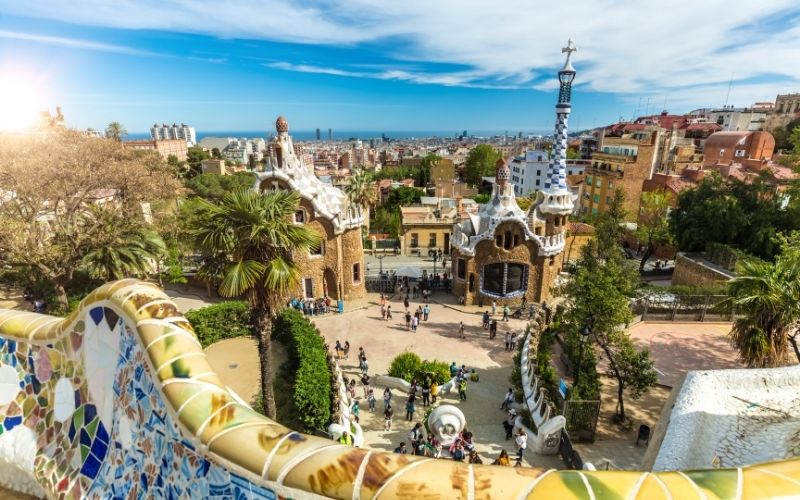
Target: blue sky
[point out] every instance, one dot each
(388, 66)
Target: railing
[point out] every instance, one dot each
(670, 307)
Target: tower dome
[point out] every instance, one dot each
(281, 125)
(503, 173)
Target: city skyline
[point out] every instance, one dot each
(349, 66)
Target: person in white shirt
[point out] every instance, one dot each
(522, 443)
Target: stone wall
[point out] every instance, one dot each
(696, 271)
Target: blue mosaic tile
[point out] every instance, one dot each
(11, 422)
(91, 466)
(99, 448)
(97, 315)
(85, 439)
(101, 433)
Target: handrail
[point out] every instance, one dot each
(233, 435)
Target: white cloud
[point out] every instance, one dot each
(684, 50)
(74, 43)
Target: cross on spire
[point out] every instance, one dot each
(569, 49)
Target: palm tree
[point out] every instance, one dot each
(768, 294)
(116, 131)
(253, 236)
(119, 248)
(362, 192)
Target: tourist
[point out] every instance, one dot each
(346, 349)
(414, 323)
(462, 389)
(508, 341)
(508, 423)
(522, 443)
(352, 388)
(387, 418)
(414, 292)
(493, 329)
(383, 311)
(401, 449)
(408, 321)
(410, 408)
(458, 453)
(361, 354)
(371, 401)
(506, 310)
(453, 369)
(412, 390)
(389, 311)
(473, 376)
(406, 303)
(338, 349)
(345, 439)
(461, 330)
(355, 410)
(474, 458)
(513, 340)
(365, 384)
(466, 439)
(494, 307)
(364, 366)
(506, 405)
(387, 398)
(502, 459)
(434, 392)
(425, 312)
(426, 393)
(417, 433)
(485, 320)
(419, 448)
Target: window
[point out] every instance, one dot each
(516, 239)
(538, 173)
(596, 198)
(318, 249)
(414, 240)
(505, 278)
(599, 182)
(507, 240)
(739, 153)
(722, 152)
(357, 272)
(432, 240)
(300, 216)
(610, 185)
(537, 182)
(461, 269)
(308, 288)
(498, 240)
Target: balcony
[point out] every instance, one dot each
(612, 158)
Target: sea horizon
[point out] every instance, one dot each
(345, 135)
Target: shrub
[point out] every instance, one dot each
(439, 369)
(405, 366)
(306, 368)
(225, 320)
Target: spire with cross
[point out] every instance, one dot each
(569, 49)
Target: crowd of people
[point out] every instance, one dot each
(311, 307)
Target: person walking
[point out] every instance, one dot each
(506, 310)
(363, 365)
(508, 423)
(408, 320)
(355, 410)
(414, 323)
(389, 311)
(508, 341)
(462, 389)
(513, 340)
(493, 329)
(405, 303)
(425, 312)
(485, 320)
(346, 349)
(361, 354)
(506, 405)
(426, 393)
(387, 418)
(365, 384)
(494, 307)
(410, 409)
(338, 349)
(387, 398)
(522, 443)
(371, 401)
(383, 311)
(461, 330)
(434, 392)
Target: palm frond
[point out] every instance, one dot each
(240, 277)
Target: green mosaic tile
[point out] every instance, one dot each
(77, 417)
(80, 326)
(84, 453)
(92, 427)
(28, 405)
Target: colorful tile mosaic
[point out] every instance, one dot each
(118, 401)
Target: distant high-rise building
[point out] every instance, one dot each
(464, 134)
(317, 133)
(520, 135)
(173, 132)
(330, 134)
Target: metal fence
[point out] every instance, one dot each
(569, 455)
(669, 307)
(582, 416)
(381, 284)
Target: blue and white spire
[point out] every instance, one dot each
(558, 199)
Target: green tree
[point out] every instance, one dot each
(363, 192)
(633, 369)
(652, 229)
(767, 294)
(481, 162)
(573, 154)
(386, 221)
(402, 197)
(213, 187)
(215, 153)
(116, 131)
(194, 157)
(120, 248)
(248, 239)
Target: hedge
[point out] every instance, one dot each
(225, 320)
(408, 365)
(306, 368)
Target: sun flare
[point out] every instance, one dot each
(21, 101)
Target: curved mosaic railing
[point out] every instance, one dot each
(118, 400)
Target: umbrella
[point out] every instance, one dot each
(411, 272)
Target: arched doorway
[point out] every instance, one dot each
(330, 284)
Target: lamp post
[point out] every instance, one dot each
(583, 338)
(435, 258)
(380, 263)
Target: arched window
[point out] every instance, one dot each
(507, 240)
(498, 240)
(504, 279)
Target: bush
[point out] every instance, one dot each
(225, 320)
(405, 366)
(306, 368)
(439, 369)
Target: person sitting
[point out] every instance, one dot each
(473, 376)
(458, 453)
(474, 458)
(401, 449)
(502, 459)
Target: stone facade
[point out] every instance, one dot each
(696, 271)
(337, 268)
